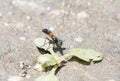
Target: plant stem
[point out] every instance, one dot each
(54, 69)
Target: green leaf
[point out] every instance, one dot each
(49, 77)
(65, 57)
(43, 43)
(86, 55)
(46, 60)
(44, 46)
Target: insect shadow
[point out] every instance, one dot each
(56, 42)
(43, 51)
(59, 50)
(55, 49)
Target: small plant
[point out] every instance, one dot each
(50, 59)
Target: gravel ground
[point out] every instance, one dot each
(88, 24)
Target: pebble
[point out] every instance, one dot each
(20, 25)
(15, 78)
(21, 65)
(22, 38)
(89, 3)
(29, 27)
(78, 39)
(23, 74)
(6, 24)
(51, 29)
(48, 8)
(111, 80)
(24, 3)
(10, 13)
(38, 67)
(28, 17)
(93, 29)
(13, 2)
(82, 15)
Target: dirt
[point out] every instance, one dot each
(88, 24)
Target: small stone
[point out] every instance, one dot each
(93, 29)
(13, 2)
(38, 67)
(89, 3)
(111, 80)
(22, 38)
(15, 78)
(48, 8)
(23, 73)
(51, 29)
(20, 25)
(21, 65)
(28, 17)
(29, 27)
(29, 67)
(6, 24)
(78, 39)
(68, 5)
(82, 15)
(10, 13)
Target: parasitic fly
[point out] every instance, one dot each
(56, 41)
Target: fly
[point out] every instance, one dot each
(57, 43)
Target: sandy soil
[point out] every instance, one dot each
(89, 24)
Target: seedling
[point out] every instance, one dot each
(47, 59)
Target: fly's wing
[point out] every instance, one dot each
(59, 43)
